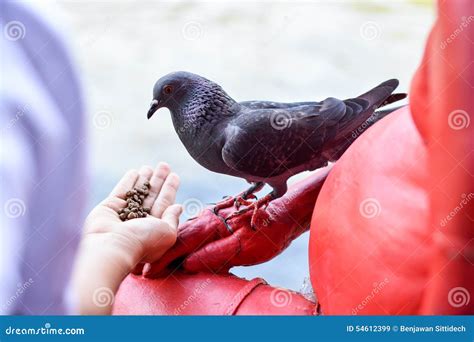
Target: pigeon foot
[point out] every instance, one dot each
(240, 199)
(263, 202)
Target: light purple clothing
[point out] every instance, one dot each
(42, 164)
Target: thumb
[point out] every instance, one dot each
(163, 238)
(171, 215)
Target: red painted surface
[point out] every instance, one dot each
(206, 294)
(417, 177)
(218, 294)
(370, 224)
(377, 243)
(209, 246)
(443, 108)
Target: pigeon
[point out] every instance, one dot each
(264, 142)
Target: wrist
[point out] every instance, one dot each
(111, 248)
(101, 265)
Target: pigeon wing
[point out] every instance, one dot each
(268, 142)
(275, 105)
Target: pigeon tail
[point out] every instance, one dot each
(375, 98)
(378, 95)
(393, 98)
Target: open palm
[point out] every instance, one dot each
(144, 239)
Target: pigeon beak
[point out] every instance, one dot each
(153, 108)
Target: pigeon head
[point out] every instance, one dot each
(173, 90)
(193, 100)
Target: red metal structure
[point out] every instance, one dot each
(392, 231)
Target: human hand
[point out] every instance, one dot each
(111, 248)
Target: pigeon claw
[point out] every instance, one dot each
(225, 203)
(249, 193)
(254, 206)
(263, 202)
(240, 200)
(236, 213)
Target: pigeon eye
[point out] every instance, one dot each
(167, 89)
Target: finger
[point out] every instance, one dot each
(171, 215)
(216, 256)
(166, 196)
(154, 269)
(157, 242)
(144, 175)
(156, 182)
(125, 184)
(114, 203)
(191, 237)
(187, 241)
(159, 238)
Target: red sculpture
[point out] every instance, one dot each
(392, 229)
(208, 244)
(211, 247)
(207, 294)
(370, 232)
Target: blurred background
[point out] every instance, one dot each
(282, 51)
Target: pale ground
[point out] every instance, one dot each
(283, 51)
